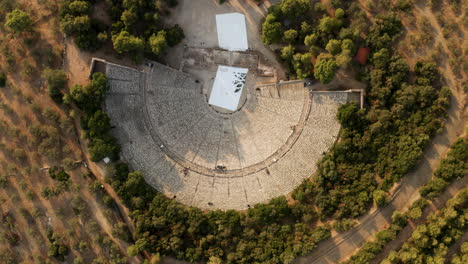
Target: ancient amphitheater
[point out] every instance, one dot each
(213, 160)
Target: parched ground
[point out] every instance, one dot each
(25, 211)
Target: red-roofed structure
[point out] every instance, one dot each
(362, 55)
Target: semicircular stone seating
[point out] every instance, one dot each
(211, 160)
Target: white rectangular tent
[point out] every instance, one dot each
(232, 32)
(227, 87)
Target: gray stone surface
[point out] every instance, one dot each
(212, 160)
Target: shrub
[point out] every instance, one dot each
(380, 198)
(175, 35)
(290, 35)
(158, 42)
(121, 231)
(59, 174)
(18, 21)
(399, 219)
(339, 13)
(433, 188)
(56, 82)
(3, 79)
(344, 225)
(271, 30)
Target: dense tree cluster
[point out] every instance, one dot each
(317, 42)
(268, 233)
(462, 256)
(430, 241)
(137, 26)
(95, 122)
(456, 157)
(75, 20)
(454, 166)
(386, 140)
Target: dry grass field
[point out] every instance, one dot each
(41, 217)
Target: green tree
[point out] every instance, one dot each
(271, 30)
(399, 218)
(339, 13)
(347, 44)
(333, 46)
(380, 198)
(3, 79)
(125, 42)
(56, 82)
(290, 35)
(294, 8)
(329, 24)
(79, 7)
(344, 58)
(215, 260)
(129, 17)
(72, 25)
(351, 116)
(310, 40)
(98, 124)
(90, 97)
(175, 35)
(158, 42)
(325, 68)
(287, 52)
(306, 28)
(381, 58)
(18, 21)
(99, 149)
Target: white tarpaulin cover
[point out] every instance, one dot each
(227, 87)
(232, 32)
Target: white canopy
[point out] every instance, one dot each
(227, 87)
(232, 32)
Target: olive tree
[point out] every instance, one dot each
(18, 21)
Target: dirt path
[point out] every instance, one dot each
(100, 175)
(76, 64)
(123, 211)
